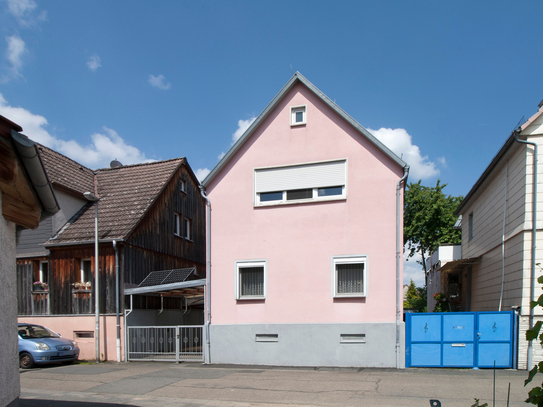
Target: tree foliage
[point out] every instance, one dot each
(429, 219)
(535, 396)
(415, 298)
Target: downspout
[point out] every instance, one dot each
(399, 252)
(208, 274)
(503, 237)
(117, 296)
(534, 239)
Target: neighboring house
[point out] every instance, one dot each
(151, 217)
(304, 229)
(443, 276)
(26, 197)
(497, 221)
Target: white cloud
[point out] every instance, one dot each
(16, 49)
(221, 155)
(159, 82)
(401, 143)
(242, 126)
(94, 63)
(26, 13)
(442, 161)
(201, 173)
(104, 147)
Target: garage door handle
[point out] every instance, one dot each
(478, 335)
(458, 345)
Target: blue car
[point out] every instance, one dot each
(39, 345)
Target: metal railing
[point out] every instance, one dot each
(166, 343)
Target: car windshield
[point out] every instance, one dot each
(35, 331)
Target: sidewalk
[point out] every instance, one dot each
(190, 385)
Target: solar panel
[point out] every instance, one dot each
(167, 277)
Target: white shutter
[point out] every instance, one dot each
(320, 175)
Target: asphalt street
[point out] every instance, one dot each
(191, 385)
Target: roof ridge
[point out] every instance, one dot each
(141, 164)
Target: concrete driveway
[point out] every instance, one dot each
(191, 385)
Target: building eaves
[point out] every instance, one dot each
(297, 78)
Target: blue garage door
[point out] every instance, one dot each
(461, 339)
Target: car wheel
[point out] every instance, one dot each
(25, 360)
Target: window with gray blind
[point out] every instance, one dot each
(251, 279)
(301, 183)
(349, 276)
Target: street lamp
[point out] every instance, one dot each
(93, 198)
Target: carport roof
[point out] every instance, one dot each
(193, 288)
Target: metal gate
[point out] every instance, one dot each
(166, 343)
(461, 339)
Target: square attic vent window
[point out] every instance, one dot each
(298, 115)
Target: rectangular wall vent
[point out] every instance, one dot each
(352, 338)
(84, 334)
(266, 338)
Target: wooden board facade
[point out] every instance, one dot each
(151, 246)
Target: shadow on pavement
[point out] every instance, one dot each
(59, 403)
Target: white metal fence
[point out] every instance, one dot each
(166, 343)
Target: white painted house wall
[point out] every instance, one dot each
(507, 188)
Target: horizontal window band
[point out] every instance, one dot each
(320, 175)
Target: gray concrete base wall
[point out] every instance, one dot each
(9, 353)
(307, 344)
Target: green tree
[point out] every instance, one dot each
(429, 219)
(415, 298)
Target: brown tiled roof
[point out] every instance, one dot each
(65, 172)
(126, 194)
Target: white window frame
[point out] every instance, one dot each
(188, 229)
(354, 259)
(247, 264)
(42, 273)
(177, 224)
(297, 109)
(315, 195)
(82, 270)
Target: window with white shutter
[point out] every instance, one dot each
(322, 181)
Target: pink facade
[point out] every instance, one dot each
(67, 326)
(298, 240)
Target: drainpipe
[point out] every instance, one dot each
(534, 239)
(208, 274)
(399, 252)
(503, 236)
(118, 318)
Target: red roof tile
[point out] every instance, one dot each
(126, 193)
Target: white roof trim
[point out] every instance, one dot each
(297, 77)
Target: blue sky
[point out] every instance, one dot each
(443, 83)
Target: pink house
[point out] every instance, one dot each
(305, 232)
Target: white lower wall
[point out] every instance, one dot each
(524, 322)
(9, 373)
(307, 345)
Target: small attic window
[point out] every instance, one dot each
(298, 115)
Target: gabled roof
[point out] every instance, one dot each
(65, 172)
(297, 78)
(126, 194)
(503, 151)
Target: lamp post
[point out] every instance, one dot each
(93, 198)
